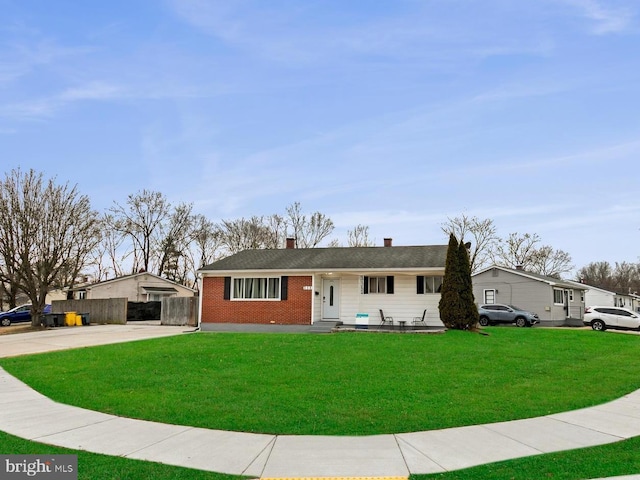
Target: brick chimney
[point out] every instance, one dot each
(519, 267)
(388, 242)
(291, 242)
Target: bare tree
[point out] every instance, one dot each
(8, 283)
(481, 234)
(524, 251)
(141, 221)
(244, 234)
(174, 242)
(46, 233)
(109, 256)
(597, 274)
(550, 262)
(623, 278)
(626, 277)
(359, 236)
(276, 231)
(308, 231)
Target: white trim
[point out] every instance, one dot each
(561, 290)
(484, 295)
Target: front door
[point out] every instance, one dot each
(331, 298)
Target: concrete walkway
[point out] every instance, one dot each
(30, 415)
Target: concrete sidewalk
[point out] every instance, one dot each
(28, 414)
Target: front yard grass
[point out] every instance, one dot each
(342, 384)
(612, 460)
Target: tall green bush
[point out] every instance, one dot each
(450, 306)
(469, 321)
(457, 304)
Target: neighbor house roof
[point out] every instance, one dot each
(603, 290)
(134, 275)
(555, 282)
(339, 258)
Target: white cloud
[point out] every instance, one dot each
(607, 19)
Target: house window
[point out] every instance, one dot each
(377, 285)
(582, 296)
(433, 284)
(558, 296)
(81, 294)
(260, 288)
(571, 295)
(490, 296)
(428, 284)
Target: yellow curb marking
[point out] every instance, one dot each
(334, 478)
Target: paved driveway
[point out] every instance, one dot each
(75, 337)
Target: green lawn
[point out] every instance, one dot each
(622, 458)
(342, 384)
(345, 384)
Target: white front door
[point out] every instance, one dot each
(331, 298)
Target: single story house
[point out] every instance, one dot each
(608, 298)
(557, 302)
(303, 286)
(139, 287)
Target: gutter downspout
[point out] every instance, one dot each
(200, 295)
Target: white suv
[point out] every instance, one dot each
(601, 318)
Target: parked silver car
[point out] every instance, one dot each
(498, 313)
(601, 318)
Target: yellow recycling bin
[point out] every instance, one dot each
(70, 318)
(78, 320)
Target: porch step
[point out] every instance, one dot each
(324, 326)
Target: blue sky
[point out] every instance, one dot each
(393, 114)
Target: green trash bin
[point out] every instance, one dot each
(85, 318)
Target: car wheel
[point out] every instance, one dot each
(484, 321)
(521, 322)
(598, 326)
(6, 322)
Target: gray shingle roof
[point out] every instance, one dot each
(543, 278)
(357, 258)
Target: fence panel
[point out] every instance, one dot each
(179, 311)
(100, 310)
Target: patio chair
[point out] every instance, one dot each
(420, 320)
(384, 320)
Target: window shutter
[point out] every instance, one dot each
(227, 288)
(420, 284)
(365, 285)
(284, 287)
(390, 284)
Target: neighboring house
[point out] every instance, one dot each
(139, 287)
(557, 302)
(608, 298)
(303, 286)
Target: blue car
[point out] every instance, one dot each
(19, 314)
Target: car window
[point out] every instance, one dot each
(489, 307)
(610, 311)
(502, 308)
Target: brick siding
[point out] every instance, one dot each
(296, 310)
